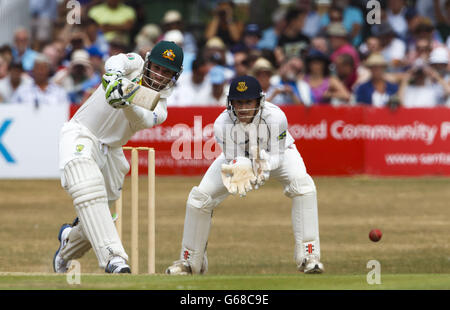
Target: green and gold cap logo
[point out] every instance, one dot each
(169, 54)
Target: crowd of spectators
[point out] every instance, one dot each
(308, 55)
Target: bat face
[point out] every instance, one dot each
(145, 97)
(140, 95)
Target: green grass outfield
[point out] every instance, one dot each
(17, 281)
(251, 243)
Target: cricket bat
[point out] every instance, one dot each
(141, 96)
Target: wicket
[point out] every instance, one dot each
(135, 209)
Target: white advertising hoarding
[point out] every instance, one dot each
(29, 139)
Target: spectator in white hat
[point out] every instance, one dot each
(150, 33)
(178, 37)
(174, 35)
(439, 60)
(419, 87)
(173, 20)
(263, 71)
(79, 78)
(216, 52)
(377, 92)
(146, 39)
(215, 49)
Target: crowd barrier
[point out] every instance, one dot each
(336, 141)
(332, 140)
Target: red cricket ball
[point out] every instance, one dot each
(375, 235)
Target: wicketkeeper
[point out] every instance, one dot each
(92, 162)
(256, 145)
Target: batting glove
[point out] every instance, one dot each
(109, 76)
(114, 94)
(238, 176)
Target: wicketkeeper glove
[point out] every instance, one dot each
(261, 166)
(109, 76)
(238, 176)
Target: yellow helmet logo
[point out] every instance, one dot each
(169, 54)
(241, 87)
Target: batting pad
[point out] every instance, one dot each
(86, 186)
(305, 223)
(197, 225)
(78, 244)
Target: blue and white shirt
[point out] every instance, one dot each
(33, 94)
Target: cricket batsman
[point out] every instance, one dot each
(91, 158)
(255, 145)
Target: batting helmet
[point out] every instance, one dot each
(166, 54)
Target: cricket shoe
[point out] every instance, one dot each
(179, 268)
(59, 264)
(117, 265)
(311, 265)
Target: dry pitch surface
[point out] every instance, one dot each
(251, 241)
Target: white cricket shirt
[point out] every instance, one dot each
(270, 126)
(114, 127)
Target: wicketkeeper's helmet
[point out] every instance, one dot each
(245, 88)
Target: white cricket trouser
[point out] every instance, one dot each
(77, 141)
(297, 185)
(93, 174)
